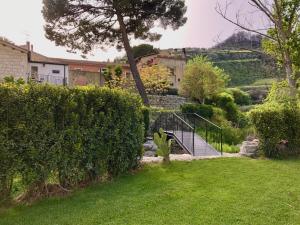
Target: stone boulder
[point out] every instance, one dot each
(149, 154)
(150, 148)
(250, 148)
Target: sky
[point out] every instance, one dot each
(22, 21)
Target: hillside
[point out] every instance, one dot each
(243, 66)
(242, 58)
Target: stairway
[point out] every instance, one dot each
(186, 130)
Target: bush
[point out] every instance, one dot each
(146, 116)
(278, 127)
(231, 135)
(172, 91)
(74, 134)
(205, 111)
(226, 102)
(240, 97)
(202, 79)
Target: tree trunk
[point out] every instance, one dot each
(289, 74)
(132, 63)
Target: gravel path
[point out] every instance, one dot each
(187, 157)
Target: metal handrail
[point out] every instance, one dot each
(179, 123)
(206, 120)
(217, 138)
(175, 114)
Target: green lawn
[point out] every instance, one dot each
(221, 191)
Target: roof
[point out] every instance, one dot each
(161, 56)
(39, 58)
(89, 63)
(13, 46)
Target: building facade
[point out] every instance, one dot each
(43, 69)
(83, 72)
(176, 64)
(13, 61)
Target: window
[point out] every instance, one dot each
(34, 73)
(56, 71)
(179, 80)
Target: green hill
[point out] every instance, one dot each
(243, 67)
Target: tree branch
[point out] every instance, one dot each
(223, 13)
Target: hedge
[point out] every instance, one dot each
(75, 135)
(278, 127)
(202, 110)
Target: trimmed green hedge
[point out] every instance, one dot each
(205, 111)
(240, 97)
(278, 126)
(75, 135)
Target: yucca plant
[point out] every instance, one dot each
(163, 145)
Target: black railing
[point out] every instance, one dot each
(210, 132)
(184, 127)
(184, 133)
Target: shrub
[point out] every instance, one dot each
(77, 134)
(226, 102)
(146, 116)
(163, 145)
(280, 93)
(227, 148)
(172, 91)
(202, 79)
(240, 97)
(232, 135)
(278, 127)
(202, 110)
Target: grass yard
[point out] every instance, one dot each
(221, 191)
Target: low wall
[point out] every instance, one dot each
(172, 102)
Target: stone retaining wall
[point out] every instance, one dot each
(172, 102)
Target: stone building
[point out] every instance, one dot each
(44, 69)
(176, 64)
(13, 61)
(23, 62)
(83, 72)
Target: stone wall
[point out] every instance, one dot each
(82, 78)
(172, 102)
(13, 62)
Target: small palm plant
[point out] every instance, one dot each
(163, 145)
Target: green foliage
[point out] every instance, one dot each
(11, 80)
(75, 134)
(118, 71)
(202, 79)
(143, 50)
(278, 127)
(146, 116)
(163, 145)
(232, 133)
(205, 111)
(136, 18)
(247, 71)
(231, 191)
(280, 93)
(108, 74)
(226, 102)
(228, 148)
(172, 91)
(243, 67)
(240, 97)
